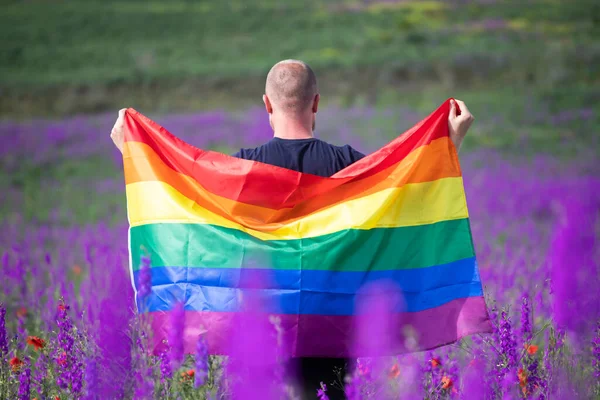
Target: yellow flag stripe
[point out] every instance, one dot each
(152, 202)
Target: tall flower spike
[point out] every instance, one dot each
(3, 338)
(177, 323)
(24, 384)
(165, 366)
(64, 358)
(322, 393)
(525, 318)
(91, 379)
(201, 362)
(596, 354)
(507, 344)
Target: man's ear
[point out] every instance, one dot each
(315, 105)
(268, 105)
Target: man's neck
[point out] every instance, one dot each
(292, 130)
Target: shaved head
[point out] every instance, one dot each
(291, 86)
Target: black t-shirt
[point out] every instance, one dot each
(311, 156)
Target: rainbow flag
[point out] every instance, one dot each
(212, 224)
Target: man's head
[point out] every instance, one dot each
(291, 93)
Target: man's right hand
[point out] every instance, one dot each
(458, 125)
(117, 135)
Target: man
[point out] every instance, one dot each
(291, 100)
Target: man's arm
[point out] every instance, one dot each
(458, 125)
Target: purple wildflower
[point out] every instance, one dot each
(77, 377)
(177, 319)
(165, 366)
(473, 380)
(201, 362)
(533, 378)
(145, 385)
(21, 332)
(596, 352)
(352, 388)
(526, 330)
(321, 393)
(91, 379)
(41, 369)
(64, 357)
(545, 380)
(253, 356)
(573, 267)
(3, 338)
(507, 345)
(24, 384)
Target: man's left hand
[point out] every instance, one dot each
(117, 135)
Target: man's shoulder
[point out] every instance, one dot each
(249, 152)
(349, 152)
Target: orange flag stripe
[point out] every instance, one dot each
(421, 165)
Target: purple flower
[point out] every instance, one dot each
(253, 355)
(526, 330)
(507, 346)
(91, 379)
(24, 383)
(574, 268)
(165, 366)
(596, 352)
(201, 362)
(3, 337)
(352, 388)
(321, 393)
(22, 332)
(77, 377)
(177, 320)
(64, 357)
(473, 380)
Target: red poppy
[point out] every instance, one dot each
(446, 382)
(187, 375)
(531, 349)
(76, 269)
(36, 342)
(435, 362)
(21, 312)
(394, 371)
(15, 363)
(62, 307)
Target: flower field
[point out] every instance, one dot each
(68, 329)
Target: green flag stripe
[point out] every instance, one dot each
(210, 246)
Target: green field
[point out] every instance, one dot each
(63, 57)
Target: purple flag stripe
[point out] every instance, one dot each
(331, 336)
